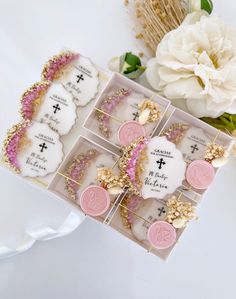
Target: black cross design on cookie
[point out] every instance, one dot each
(80, 77)
(162, 211)
(194, 148)
(136, 115)
(161, 162)
(43, 147)
(56, 107)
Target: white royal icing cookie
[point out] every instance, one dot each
(165, 169)
(150, 209)
(43, 153)
(82, 81)
(58, 109)
(193, 145)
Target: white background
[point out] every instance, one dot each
(95, 262)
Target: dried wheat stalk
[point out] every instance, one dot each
(155, 18)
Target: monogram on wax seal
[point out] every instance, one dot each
(161, 235)
(129, 131)
(200, 174)
(165, 169)
(150, 209)
(94, 201)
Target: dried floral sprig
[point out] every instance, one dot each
(155, 18)
(214, 151)
(109, 180)
(179, 212)
(130, 205)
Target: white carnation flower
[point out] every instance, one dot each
(197, 62)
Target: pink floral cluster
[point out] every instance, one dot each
(78, 169)
(133, 205)
(29, 97)
(131, 166)
(111, 104)
(175, 134)
(56, 64)
(12, 146)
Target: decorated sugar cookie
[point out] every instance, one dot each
(132, 164)
(33, 149)
(107, 107)
(32, 99)
(193, 145)
(76, 73)
(133, 110)
(76, 170)
(191, 141)
(151, 210)
(50, 104)
(130, 204)
(58, 65)
(165, 169)
(82, 170)
(82, 81)
(152, 167)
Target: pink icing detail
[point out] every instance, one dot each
(129, 131)
(131, 167)
(108, 107)
(133, 205)
(12, 147)
(56, 64)
(77, 170)
(200, 174)
(161, 235)
(94, 201)
(174, 134)
(29, 98)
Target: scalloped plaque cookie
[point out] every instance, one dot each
(57, 110)
(193, 144)
(33, 149)
(51, 104)
(82, 81)
(165, 169)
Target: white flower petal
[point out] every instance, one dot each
(170, 75)
(194, 17)
(232, 108)
(197, 62)
(198, 107)
(152, 74)
(114, 64)
(182, 89)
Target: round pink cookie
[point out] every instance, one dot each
(94, 200)
(161, 235)
(200, 174)
(129, 131)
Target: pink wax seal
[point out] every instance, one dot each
(94, 200)
(200, 174)
(129, 131)
(161, 235)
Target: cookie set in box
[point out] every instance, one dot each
(119, 152)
